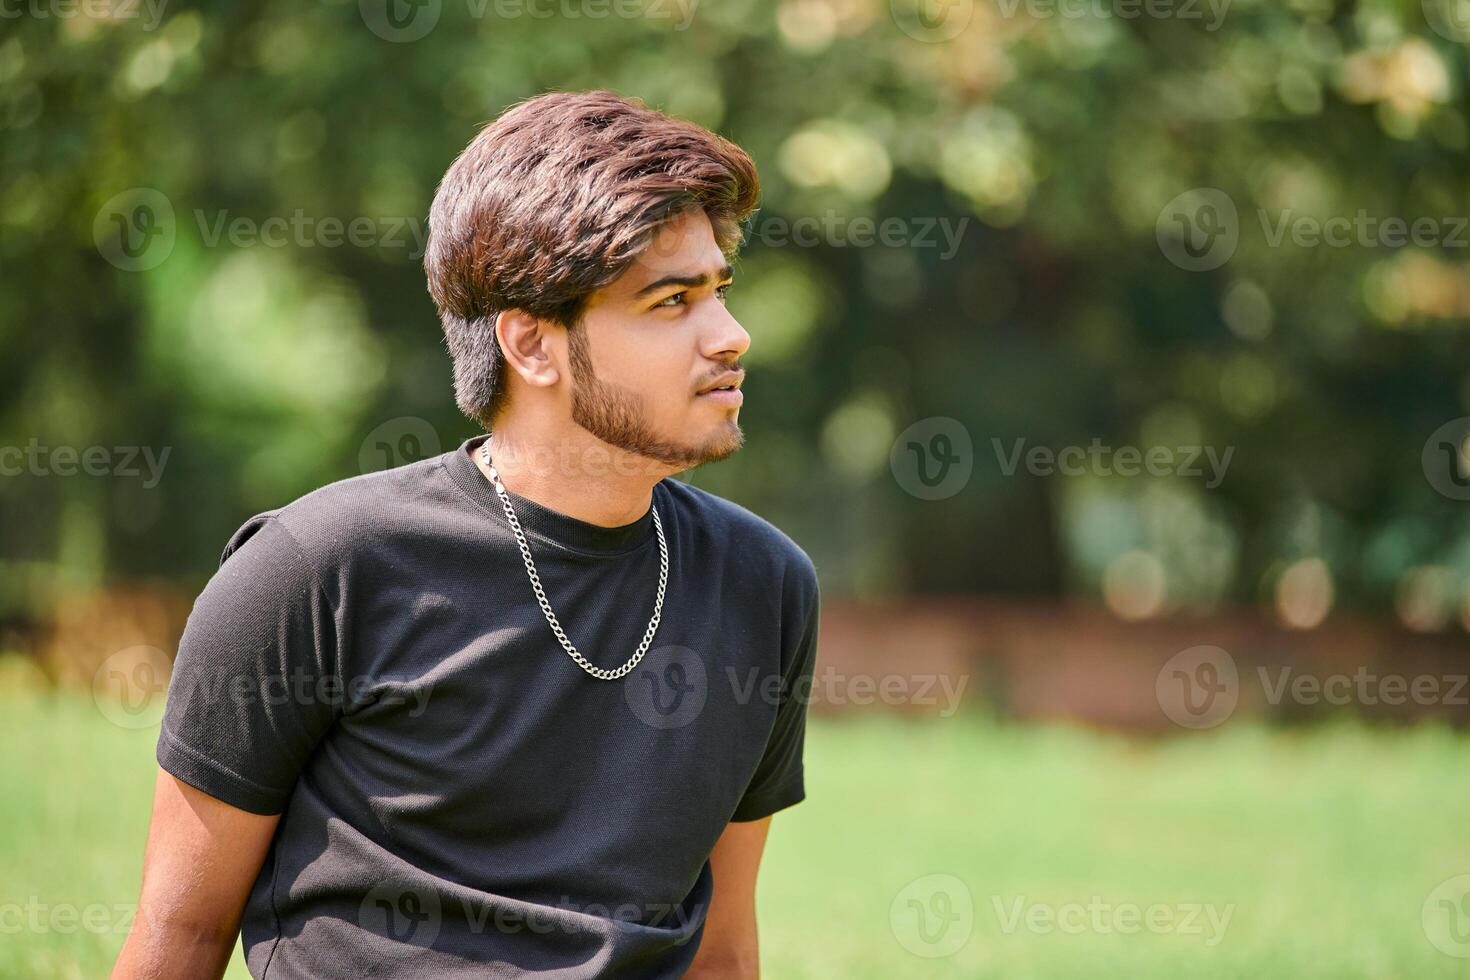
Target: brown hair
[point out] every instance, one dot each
(556, 198)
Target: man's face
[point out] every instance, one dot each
(651, 341)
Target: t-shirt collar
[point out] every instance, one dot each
(562, 529)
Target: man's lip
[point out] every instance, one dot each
(734, 396)
(732, 379)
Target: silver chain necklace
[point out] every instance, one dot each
(658, 605)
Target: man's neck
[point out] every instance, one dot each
(575, 474)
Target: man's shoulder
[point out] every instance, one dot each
(746, 529)
(348, 513)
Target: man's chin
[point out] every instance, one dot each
(723, 445)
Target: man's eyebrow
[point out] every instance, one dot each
(689, 282)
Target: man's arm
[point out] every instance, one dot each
(203, 856)
(728, 948)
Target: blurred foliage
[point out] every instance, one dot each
(1059, 319)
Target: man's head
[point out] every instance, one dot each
(578, 253)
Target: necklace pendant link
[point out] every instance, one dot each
(600, 673)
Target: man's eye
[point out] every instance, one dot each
(677, 299)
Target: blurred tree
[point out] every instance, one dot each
(178, 185)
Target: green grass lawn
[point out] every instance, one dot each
(1321, 846)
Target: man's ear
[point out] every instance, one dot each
(525, 342)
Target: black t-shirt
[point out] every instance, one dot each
(459, 798)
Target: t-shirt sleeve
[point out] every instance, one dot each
(256, 682)
(779, 778)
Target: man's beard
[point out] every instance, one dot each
(615, 415)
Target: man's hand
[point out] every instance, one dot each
(203, 856)
(728, 949)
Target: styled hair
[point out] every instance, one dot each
(556, 198)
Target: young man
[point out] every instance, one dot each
(526, 706)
